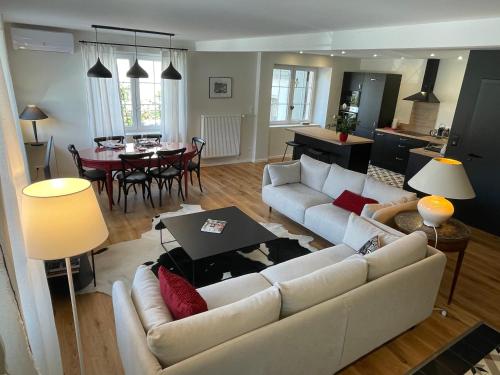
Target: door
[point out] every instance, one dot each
(369, 105)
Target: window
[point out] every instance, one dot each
(292, 94)
(140, 98)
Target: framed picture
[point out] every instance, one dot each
(220, 87)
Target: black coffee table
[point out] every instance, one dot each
(240, 232)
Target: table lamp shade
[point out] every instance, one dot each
(443, 177)
(61, 218)
(32, 112)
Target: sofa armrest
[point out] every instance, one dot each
(386, 214)
(266, 179)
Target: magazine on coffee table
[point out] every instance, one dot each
(213, 226)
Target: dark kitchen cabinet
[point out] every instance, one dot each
(475, 138)
(354, 81)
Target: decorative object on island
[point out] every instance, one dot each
(220, 87)
(345, 126)
(441, 178)
(62, 219)
(33, 113)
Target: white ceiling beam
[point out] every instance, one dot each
(470, 34)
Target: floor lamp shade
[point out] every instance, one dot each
(61, 218)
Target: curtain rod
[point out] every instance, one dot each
(131, 45)
(131, 30)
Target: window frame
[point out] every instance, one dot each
(291, 90)
(135, 94)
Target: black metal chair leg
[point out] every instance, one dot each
(119, 191)
(159, 189)
(143, 186)
(198, 174)
(191, 176)
(180, 188)
(148, 186)
(286, 149)
(170, 186)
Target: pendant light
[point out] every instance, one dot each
(171, 72)
(136, 70)
(98, 70)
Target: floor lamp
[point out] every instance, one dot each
(62, 219)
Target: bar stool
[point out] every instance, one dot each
(291, 144)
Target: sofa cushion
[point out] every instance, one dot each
(313, 172)
(359, 231)
(384, 193)
(147, 299)
(179, 295)
(282, 174)
(233, 289)
(306, 264)
(292, 200)
(321, 285)
(352, 202)
(369, 210)
(175, 341)
(340, 179)
(398, 254)
(328, 221)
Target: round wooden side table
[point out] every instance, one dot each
(452, 237)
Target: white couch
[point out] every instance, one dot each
(311, 315)
(304, 191)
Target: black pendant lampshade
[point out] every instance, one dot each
(171, 73)
(136, 70)
(98, 70)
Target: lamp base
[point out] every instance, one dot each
(435, 210)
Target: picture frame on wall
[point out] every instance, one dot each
(220, 87)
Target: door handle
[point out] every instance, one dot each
(399, 159)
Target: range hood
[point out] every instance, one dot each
(426, 94)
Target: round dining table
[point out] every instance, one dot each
(108, 160)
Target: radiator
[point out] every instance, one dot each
(222, 134)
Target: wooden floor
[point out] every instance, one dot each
(477, 296)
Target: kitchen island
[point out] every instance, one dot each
(325, 145)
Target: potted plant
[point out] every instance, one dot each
(345, 126)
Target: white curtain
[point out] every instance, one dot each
(33, 292)
(103, 94)
(174, 99)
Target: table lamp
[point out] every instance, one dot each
(33, 113)
(61, 219)
(441, 178)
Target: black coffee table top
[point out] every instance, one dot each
(240, 231)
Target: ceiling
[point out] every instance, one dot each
(223, 19)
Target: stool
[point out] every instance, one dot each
(291, 144)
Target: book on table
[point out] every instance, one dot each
(213, 226)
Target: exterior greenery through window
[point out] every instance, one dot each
(140, 98)
(292, 94)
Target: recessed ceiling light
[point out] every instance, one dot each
(343, 52)
(301, 52)
(375, 55)
(433, 54)
(331, 54)
(460, 58)
(402, 57)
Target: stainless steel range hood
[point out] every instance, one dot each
(426, 94)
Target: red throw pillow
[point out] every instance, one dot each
(352, 202)
(179, 295)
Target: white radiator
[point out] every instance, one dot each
(222, 134)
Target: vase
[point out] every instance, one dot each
(343, 137)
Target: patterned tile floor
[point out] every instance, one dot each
(387, 176)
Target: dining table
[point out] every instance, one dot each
(108, 160)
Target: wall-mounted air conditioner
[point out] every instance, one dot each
(41, 40)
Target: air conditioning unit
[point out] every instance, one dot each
(41, 40)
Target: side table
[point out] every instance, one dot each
(452, 237)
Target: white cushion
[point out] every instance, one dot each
(297, 267)
(282, 174)
(384, 193)
(398, 254)
(232, 290)
(321, 285)
(328, 221)
(313, 172)
(340, 179)
(148, 300)
(293, 199)
(175, 341)
(359, 230)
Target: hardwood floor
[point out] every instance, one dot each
(476, 298)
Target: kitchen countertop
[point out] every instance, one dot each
(329, 136)
(424, 152)
(422, 137)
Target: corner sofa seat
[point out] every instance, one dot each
(327, 220)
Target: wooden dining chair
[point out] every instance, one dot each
(93, 175)
(135, 170)
(155, 137)
(168, 170)
(99, 140)
(195, 163)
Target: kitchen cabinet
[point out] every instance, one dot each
(391, 151)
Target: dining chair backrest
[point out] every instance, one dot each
(170, 158)
(156, 137)
(198, 143)
(76, 158)
(46, 160)
(133, 163)
(99, 140)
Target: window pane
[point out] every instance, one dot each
(150, 115)
(280, 94)
(128, 121)
(302, 95)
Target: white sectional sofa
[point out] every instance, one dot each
(310, 315)
(304, 191)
